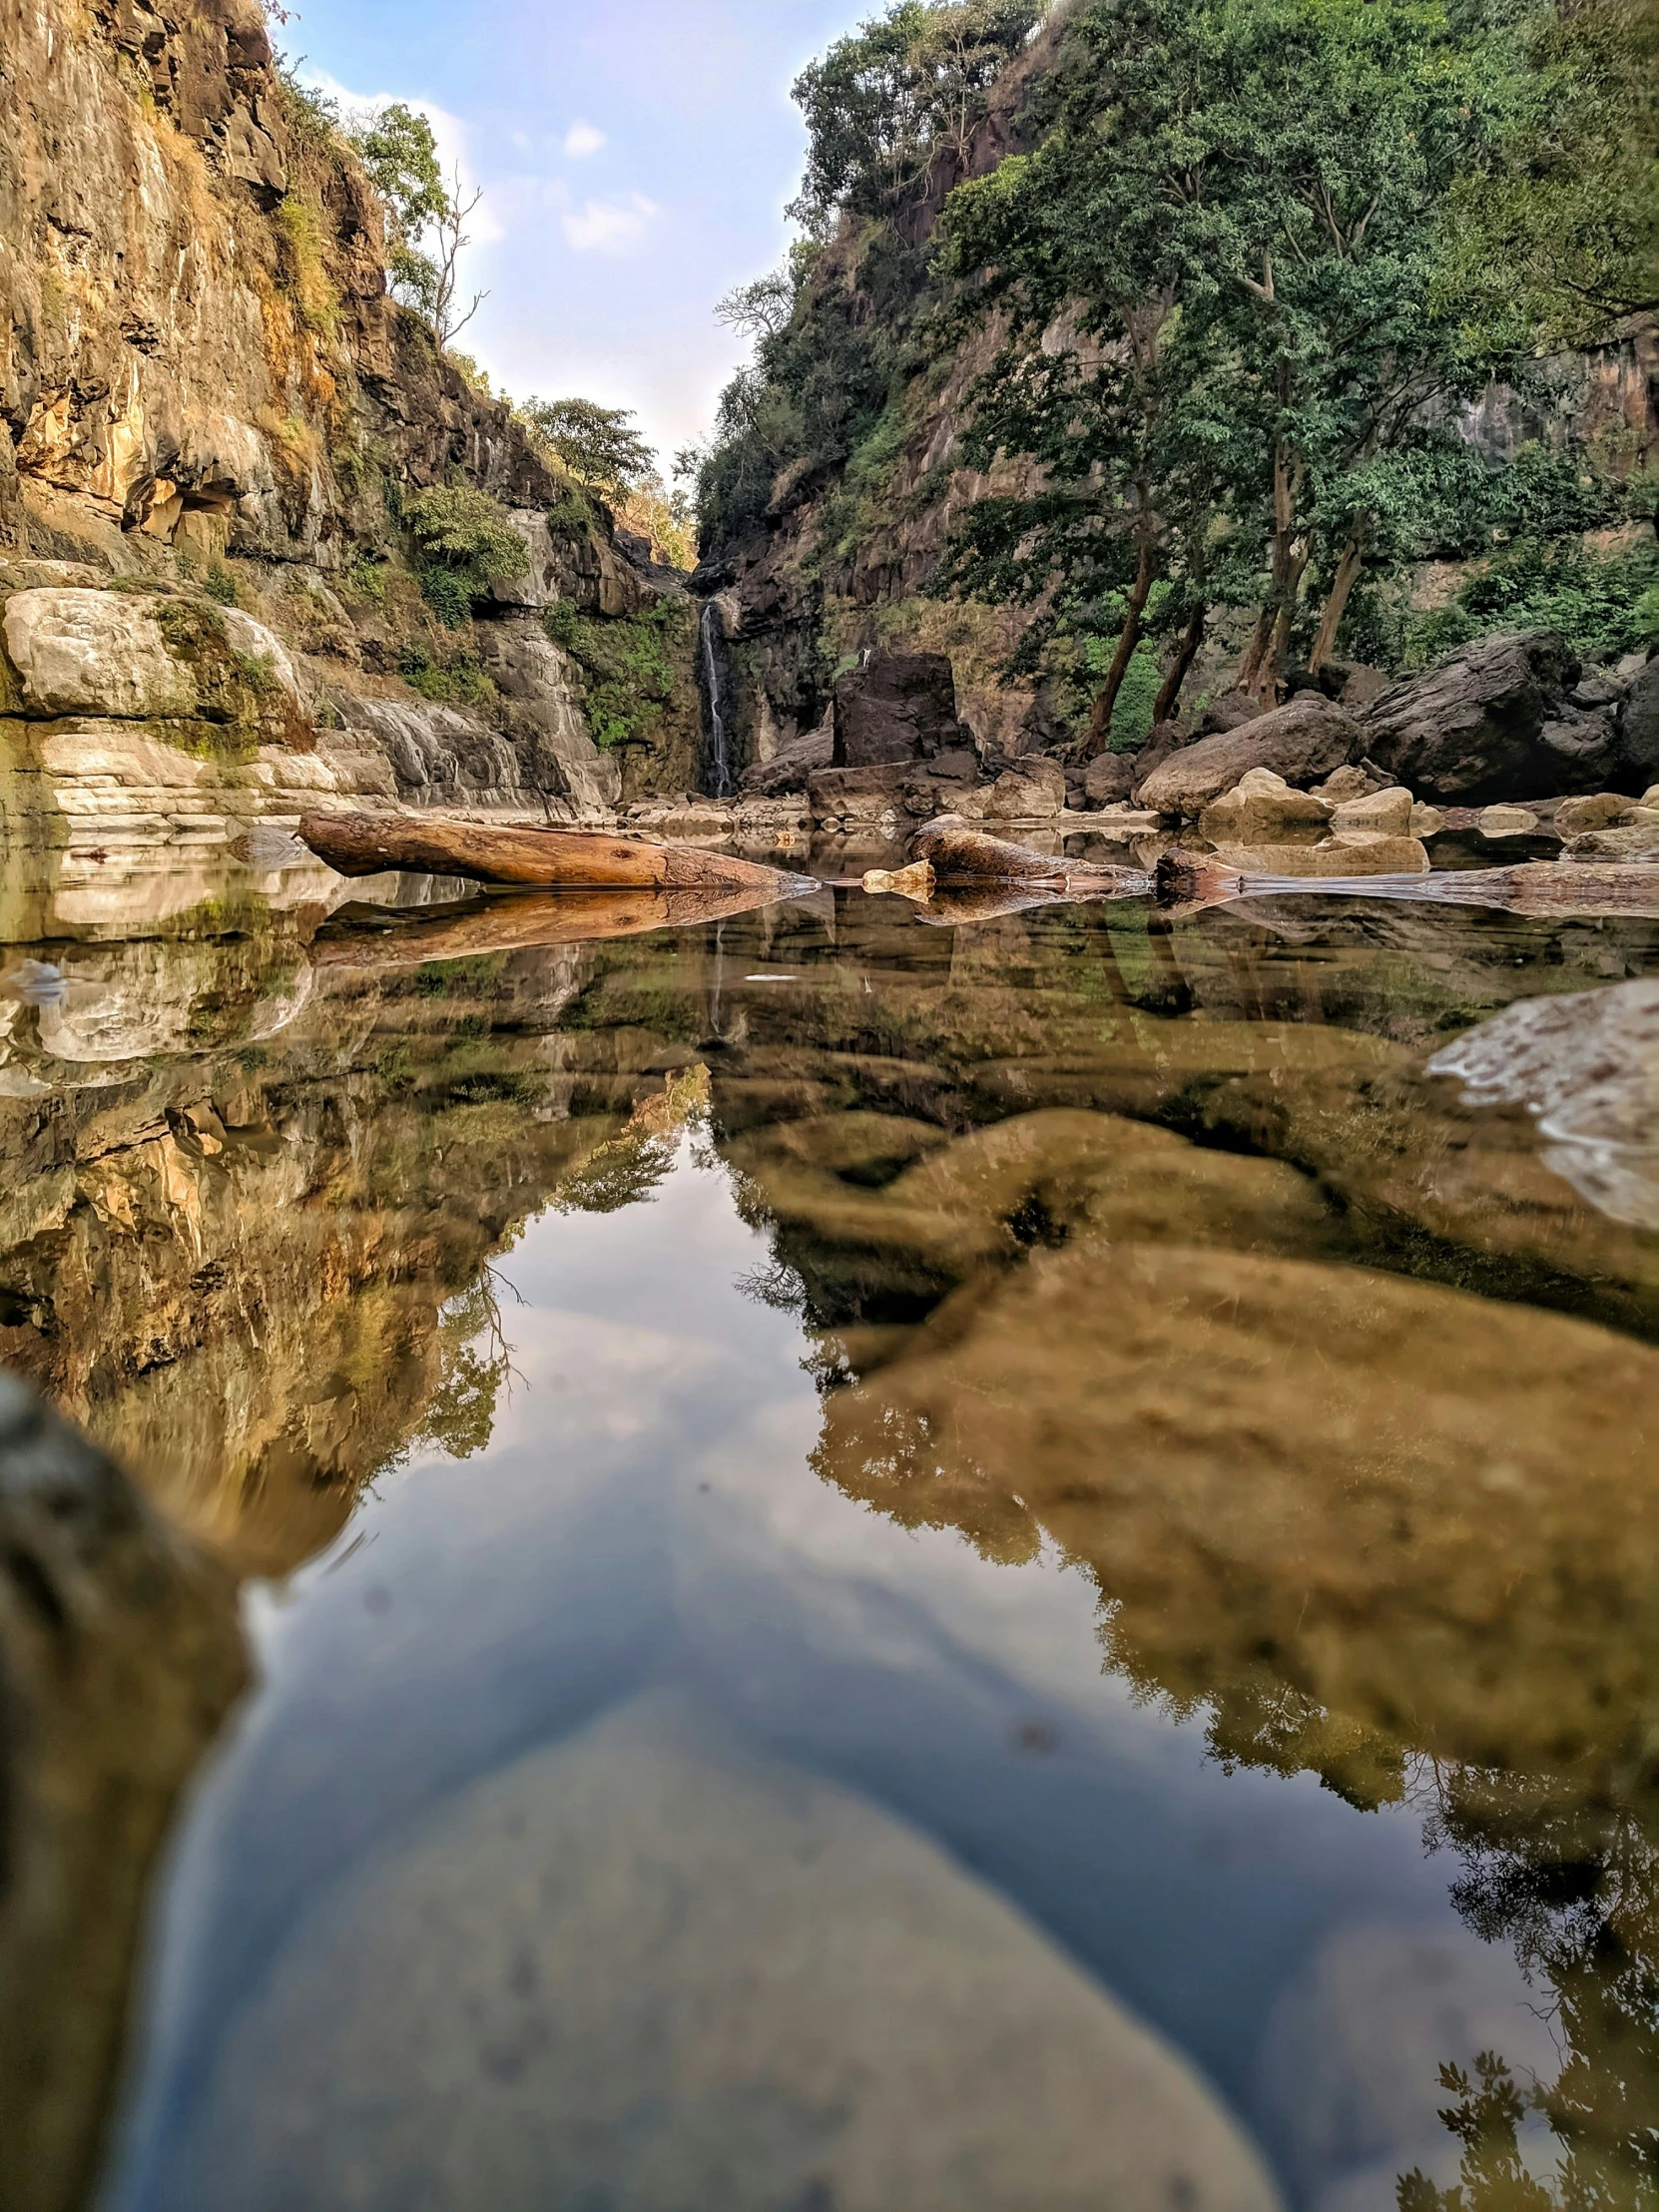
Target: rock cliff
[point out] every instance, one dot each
(210, 405)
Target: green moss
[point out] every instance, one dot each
(302, 270)
(631, 667)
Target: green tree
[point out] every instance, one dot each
(595, 443)
(900, 90)
(426, 217)
(1217, 278)
(464, 544)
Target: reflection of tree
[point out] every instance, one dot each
(1570, 1876)
(475, 1363)
(1486, 2119)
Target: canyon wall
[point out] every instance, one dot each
(207, 397)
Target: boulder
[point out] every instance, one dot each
(652, 1968)
(1639, 730)
(1109, 779)
(1228, 709)
(1388, 812)
(1490, 723)
(1636, 838)
(1494, 824)
(1031, 790)
(1598, 811)
(1353, 852)
(1301, 742)
(858, 793)
(131, 657)
(900, 707)
(1345, 784)
(1258, 807)
(790, 767)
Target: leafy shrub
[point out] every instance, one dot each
(464, 544)
(628, 667)
(456, 681)
(1602, 604)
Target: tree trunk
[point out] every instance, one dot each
(1336, 602)
(551, 859)
(1100, 717)
(1192, 637)
(1259, 670)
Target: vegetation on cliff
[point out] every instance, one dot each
(1203, 295)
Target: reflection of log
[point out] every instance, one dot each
(964, 903)
(550, 859)
(1543, 888)
(409, 939)
(961, 855)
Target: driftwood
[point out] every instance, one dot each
(392, 938)
(961, 856)
(532, 857)
(1549, 888)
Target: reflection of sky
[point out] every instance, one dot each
(645, 1512)
(636, 157)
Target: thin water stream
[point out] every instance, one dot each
(884, 1566)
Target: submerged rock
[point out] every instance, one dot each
(649, 1967)
(1260, 805)
(1359, 1515)
(120, 1654)
(1587, 1064)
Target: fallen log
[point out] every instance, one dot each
(959, 854)
(1545, 888)
(533, 858)
(393, 938)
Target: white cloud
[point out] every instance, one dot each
(603, 226)
(581, 139)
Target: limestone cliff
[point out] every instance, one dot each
(206, 395)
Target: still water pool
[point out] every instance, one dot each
(882, 1566)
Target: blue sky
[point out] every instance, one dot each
(635, 157)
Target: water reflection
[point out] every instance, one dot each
(1059, 1426)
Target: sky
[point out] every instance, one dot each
(635, 158)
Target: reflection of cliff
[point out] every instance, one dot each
(247, 1268)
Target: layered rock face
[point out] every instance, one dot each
(204, 378)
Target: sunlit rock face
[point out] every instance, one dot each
(120, 1654)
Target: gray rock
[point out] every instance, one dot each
(1109, 779)
(863, 792)
(900, 707)
(790, 767)
(544, 716)
(648, 1969)
(1032, 790)
(1301, 742)
(1639, 731)
(1587, 1062)
(1488, 723)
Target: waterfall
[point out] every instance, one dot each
(720, 745)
